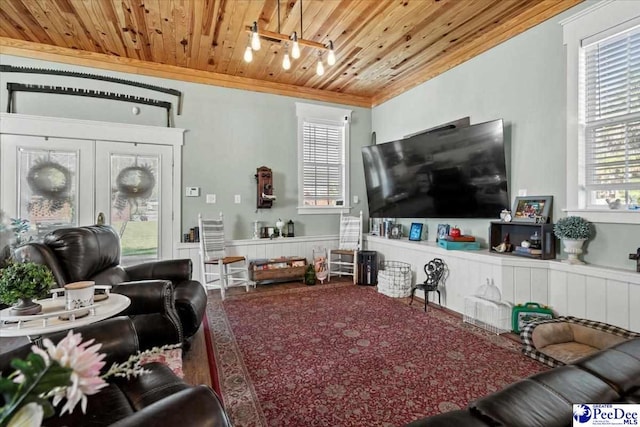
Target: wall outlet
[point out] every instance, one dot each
(211, 198)
(237, 199)
(356, 200)
(192, 192)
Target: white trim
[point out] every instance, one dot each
(586, 24)
(22, 124)
(319, 210)
(334, 116)
(502, 260)
(256, 242)
(607, 215)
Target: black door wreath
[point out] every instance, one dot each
(134, 183)
(50, 180)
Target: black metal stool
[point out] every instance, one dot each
(434, 270)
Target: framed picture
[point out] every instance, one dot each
(443, 231)
(532, 209)
(395, 231)
(415, 232)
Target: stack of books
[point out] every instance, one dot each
(460, 239)
(528, 251)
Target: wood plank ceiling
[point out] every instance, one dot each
(383, 47)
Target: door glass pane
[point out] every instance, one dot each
(48, 188)
(135, 200)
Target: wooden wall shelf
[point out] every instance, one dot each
(519, 231)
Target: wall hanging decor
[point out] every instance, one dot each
(31, 70)
(264, 178)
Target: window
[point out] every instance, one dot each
(323, 156)
(610, 119)
(603, 112)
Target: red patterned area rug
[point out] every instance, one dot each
(345, 355)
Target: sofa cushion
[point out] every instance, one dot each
(84, 251)
(525, 403)
(567, 352)
(619, 368)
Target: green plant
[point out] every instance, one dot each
(24, 280)
(572, 227)
(310, 275)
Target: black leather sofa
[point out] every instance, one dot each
(545, 399)
(158, 398)
(93, 253)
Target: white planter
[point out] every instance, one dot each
(573, 248)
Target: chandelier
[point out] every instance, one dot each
(295, 39)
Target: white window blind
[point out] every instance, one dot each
(323, 164)
(612, 113)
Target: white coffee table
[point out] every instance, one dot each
(48, 320)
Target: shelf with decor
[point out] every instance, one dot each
(519, 232)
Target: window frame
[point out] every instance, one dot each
(323, 115)
(591, 25)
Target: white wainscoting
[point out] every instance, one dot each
(588, 291)
(260, 248)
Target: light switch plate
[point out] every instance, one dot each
(211, 198)
(237, 198)
(192, 192)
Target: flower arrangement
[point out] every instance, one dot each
(572, 227)
(69, 370)
(24, 281)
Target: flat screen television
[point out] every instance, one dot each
(452, 173)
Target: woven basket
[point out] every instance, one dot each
(394, 279)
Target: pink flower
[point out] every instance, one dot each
(85, 363)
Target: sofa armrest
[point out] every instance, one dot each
(196, 406)
(147, 296)
(176, 270)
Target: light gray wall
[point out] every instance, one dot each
(522, 81)
(230, 133)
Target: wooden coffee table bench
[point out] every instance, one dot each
(283, 269)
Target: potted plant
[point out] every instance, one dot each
(573, 231)
(22, 282)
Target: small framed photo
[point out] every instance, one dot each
(443, 231)
(395, 231)
(415, 232)
(532, 209)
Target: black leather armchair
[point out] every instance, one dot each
(93, 253)
(156, 398)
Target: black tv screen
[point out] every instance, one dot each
(453, 173)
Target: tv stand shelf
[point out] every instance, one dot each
(519, 231)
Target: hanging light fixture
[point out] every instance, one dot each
(248, 52)
(319, 66)
(331, 57)
(286, 62)
(296, 40)
(255, 37)
(295, 50)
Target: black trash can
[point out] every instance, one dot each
(367, 268)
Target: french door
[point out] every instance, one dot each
(58, 182)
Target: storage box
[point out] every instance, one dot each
(528, 312)
(460, 246)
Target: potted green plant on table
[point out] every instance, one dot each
(22, 282)
(573, 231)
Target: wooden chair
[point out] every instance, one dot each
(223, 271)
(343, 261)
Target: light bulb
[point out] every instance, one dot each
(295, 50)
(331, 57)
(248, 54)
(286, 62)
(255, 37)
(319, 67)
